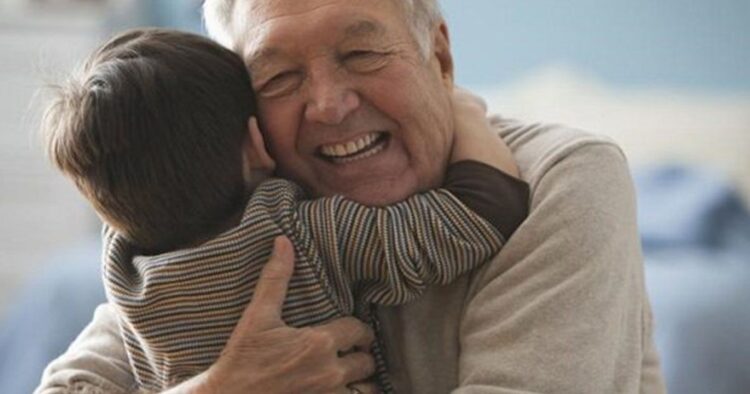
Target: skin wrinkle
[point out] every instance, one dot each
(369, 34)
(257, 8)
(359, 29)
(418, 14)
(264, 63)
(364, 28)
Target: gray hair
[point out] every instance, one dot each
(421, 16)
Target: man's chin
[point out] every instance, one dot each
(378, 200)
(376, 195)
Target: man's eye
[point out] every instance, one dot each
(365, 61)
(280, 84)
(360, 53)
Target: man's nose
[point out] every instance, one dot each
(331, 100)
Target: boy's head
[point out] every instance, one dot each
(153, 130)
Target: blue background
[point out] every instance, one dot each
(685, 44)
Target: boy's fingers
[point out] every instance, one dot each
(364, 388)
(466, 96)
(357, 367)
(348, 333)
(265, 309)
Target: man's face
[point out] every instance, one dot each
(348, 104)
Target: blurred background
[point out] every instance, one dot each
(668, 80)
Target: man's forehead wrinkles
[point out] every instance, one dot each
(361, 29)
(267, 11)
(364, 28)
(262, 57)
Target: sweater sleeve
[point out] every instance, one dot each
(563, 308)
(95, 363)
(390, 255)
(492, 194)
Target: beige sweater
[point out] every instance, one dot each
(562, 308)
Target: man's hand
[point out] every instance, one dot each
(264, 355)
(475, 139)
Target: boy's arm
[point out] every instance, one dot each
(485, 176)
(389, 255)
(497, 197)
(474, 138)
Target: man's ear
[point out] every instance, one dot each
(256, 155)
(442, 52)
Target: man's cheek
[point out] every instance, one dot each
(278, 138)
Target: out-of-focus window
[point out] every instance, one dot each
(41, 41)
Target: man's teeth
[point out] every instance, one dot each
(349, 148)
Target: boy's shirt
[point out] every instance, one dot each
(178, 309)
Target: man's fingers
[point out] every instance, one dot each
(265, 309)
(349, 333)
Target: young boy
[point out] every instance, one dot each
(156, 132)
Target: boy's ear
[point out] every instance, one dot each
(256, 155)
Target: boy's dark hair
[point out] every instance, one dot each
(151, 131)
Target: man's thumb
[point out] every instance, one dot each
(270, 291)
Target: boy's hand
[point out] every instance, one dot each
(474, 138)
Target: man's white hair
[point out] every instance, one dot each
(421, 16)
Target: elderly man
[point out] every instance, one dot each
(561, 309)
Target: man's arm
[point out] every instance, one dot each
(263, 355)
(563, 308)
(95, 363)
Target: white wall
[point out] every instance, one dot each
(653, 125)
(40, 212)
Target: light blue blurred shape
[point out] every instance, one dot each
(50, 311)
(696, 238)
(701, 308)
(690, 207)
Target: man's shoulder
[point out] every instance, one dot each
(539, 147)
(582, 215)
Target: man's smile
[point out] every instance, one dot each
(356, 149)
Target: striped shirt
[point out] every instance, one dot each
(178, 309)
